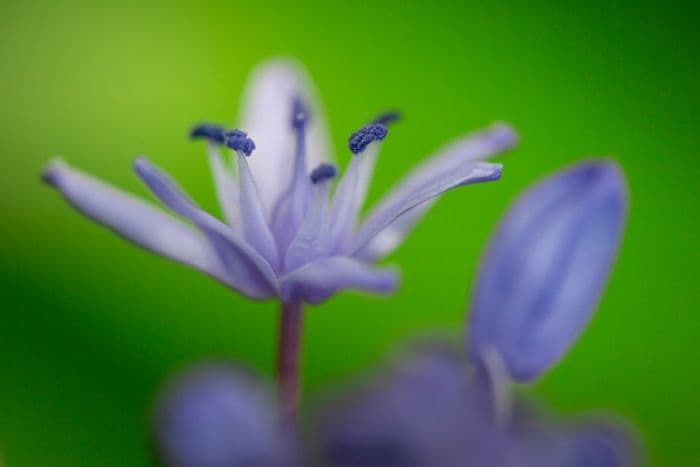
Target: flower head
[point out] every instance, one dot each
(283, 235)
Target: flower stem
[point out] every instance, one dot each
(288, 351)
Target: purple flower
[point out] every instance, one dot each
(423, 409)
(545, 268)
(217, 416)
(433, 408)
(282, 236)
(537, 438)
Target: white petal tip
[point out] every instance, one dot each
(53, 170)
(503, 135)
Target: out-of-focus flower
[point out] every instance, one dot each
(282, 237)
(217, 416)
(433, 408)
(424, 409)
(537, 438)
(545, 268)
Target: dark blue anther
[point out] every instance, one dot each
(240, 142)
(387, 118)
(214, 133)
(361, 138)
(300, 113)
(322, 172)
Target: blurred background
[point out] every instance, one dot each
(90, 326)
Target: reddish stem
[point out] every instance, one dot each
(288, 351)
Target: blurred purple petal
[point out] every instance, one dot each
(469, 149)
(248, 271)
(425, 410)
(134, 219)
(545, 267)
(317, 281)
(217, 416)
(537, 439)
(269, 98)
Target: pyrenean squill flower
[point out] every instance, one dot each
(437, 405)
(282, 236)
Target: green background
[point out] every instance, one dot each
(90, 325)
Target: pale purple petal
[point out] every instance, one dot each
(271, 91)
(478, 146)
(545, 267)
(368, 160)
(345, 205)
(255, 228)
(313, 239)
(249, 271)
(215, 415)
(226, 186)
(399, 202)
(602, 445)
(134, 219)
(317, 281)
(289, 211)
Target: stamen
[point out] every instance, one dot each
(240, 142)
(387, 118)
(214, 133)
(300, 114)
(361, 138)
(323, 172)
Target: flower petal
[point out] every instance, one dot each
(249, 271)
(368, 160)
(313, 239)
(546, 265)
(345, 205)
(541, 439)
(272, 88)
(226, 186)
(255, 228)
(318, 280)
(469, 149)
(291, 207)
(398, 203)
(216, 415)
(134, 219)
(425, 409)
